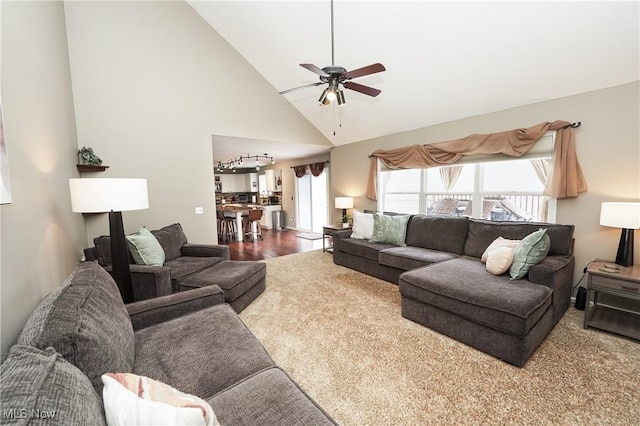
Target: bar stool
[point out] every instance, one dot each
(226, 225)
(254, 216)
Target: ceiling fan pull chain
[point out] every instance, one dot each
(334, 116)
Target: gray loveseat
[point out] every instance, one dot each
(189, 340)
(444, 285)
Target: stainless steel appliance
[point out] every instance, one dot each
(243, 198)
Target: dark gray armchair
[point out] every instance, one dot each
(182, 260)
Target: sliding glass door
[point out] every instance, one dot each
(312, 205)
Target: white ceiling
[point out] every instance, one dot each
(445, 60)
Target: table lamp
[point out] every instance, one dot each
(627, 217)
(113, 196)
(344, 203)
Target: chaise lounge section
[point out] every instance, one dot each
(445, 286)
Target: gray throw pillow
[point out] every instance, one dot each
(41, 387)
(532, 250)
(389, 229)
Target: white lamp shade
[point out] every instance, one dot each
(620, 215)
(344, 202)
(107, 194)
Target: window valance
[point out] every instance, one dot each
(315, 169)
(566, 179)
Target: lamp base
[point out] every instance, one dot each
(625, 248)
(120, 257)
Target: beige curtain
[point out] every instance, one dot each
(566, 176)
(449, 176)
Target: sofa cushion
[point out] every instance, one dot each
(103, 250)
(35, 380)
(532, 250)
(389, 229)
(269, 397)
(171, 238)
(363, 248)
(409, 257)
(462, 286)
(186, 266)
(437, 233)
(482, 232)
(86, 322)
(145, 248)
(201, 353)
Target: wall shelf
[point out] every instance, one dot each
(89, 168)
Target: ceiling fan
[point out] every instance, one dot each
(337, 76)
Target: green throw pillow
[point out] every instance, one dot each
(389, 229)
(145, 248)
(532, 250)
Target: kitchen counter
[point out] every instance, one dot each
(267, 218)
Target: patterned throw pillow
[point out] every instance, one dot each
(389, 229)
(532, 250)
(130, 399)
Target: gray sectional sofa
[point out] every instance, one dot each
(444, 285)
(189, 340)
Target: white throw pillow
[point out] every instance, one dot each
(130, 399)
(499, 260)
(499, 242)
(362, 226)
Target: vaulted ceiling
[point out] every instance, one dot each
(445, 60)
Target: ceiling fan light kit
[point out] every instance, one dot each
(336, 76)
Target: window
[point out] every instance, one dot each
(492, 187)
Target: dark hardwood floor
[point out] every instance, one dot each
(272, 244)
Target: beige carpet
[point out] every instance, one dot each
(340, 336)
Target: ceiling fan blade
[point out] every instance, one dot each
(362, 88)
(300, 87)
(315, 69)
(371, 69)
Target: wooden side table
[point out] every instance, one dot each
(624, 283)
(327, 232)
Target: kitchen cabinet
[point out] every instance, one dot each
(277, 177)
(225, 180)
(267, 217)
(238, 182)
(274, 180)
(252, 182)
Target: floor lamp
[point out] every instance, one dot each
(627, 217)
(112, 196)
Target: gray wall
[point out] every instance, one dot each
(608, 148)
(41, 238)
(152, 82)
